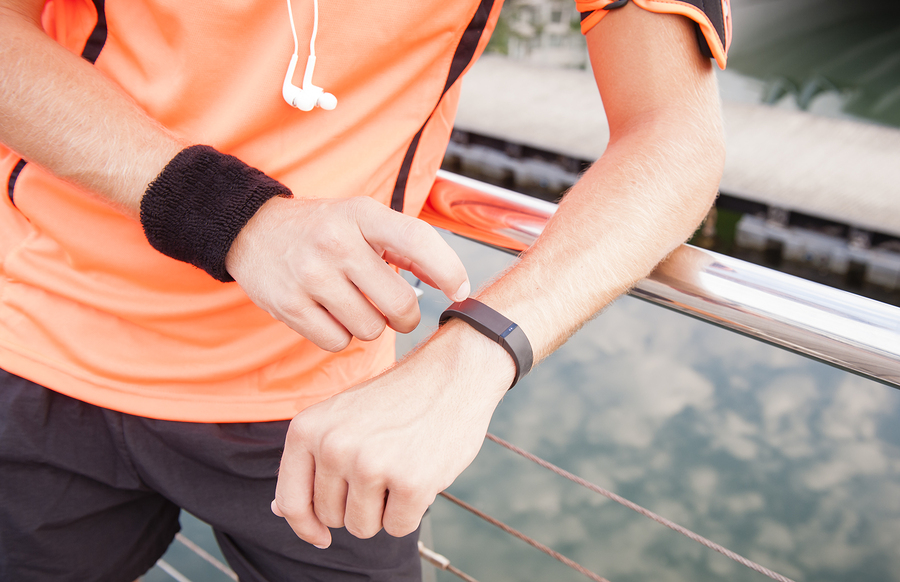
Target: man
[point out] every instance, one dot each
(137, 384)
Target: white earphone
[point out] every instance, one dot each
(307, 96)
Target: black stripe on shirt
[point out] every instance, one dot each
(97, 39)
(14, 175)
(95, 43)
(463, 56)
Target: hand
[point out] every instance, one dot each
(319, 267)
(377, 455)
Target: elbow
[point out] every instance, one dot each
(708, 165)
(714, 154)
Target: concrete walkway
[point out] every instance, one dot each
(832, 168)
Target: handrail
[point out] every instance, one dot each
(837, 327)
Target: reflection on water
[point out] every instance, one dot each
(782, 459)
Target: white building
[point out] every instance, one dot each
(545, 32)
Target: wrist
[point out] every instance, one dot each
(478, 367)
(496, 327)
(197, 206)
(240, 254)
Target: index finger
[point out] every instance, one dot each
(416, 243)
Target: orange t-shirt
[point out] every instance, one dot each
(89, 309)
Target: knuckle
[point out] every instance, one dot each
(335, 343)
(297, 310)
(337, 452)
(405, 323)
(316, 277)
(335, 448)
(298, 435)
(331, 239)
(368, 470)
(371, 330)
(361, 531)
(305, 317)
(405, 302)
(416, 234)
(402, 527)
(360, 204)
(289, 509)
(329, 518)
(409, 487)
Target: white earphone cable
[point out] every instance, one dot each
(293, 28)
(312, 39)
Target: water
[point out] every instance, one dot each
(784, 460)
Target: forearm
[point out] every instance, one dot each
(626, 214)
(646, 195)
(60, 112)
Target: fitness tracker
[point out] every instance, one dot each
(497, 328)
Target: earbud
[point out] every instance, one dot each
(327, 101)
(308, 96)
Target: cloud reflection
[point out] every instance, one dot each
(785, 460)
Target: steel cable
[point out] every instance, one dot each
(189, 544)
(460, 574)
(530, 541)
(642, 510)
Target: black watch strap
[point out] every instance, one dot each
(495, 327)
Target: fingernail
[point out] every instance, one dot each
(463, 292)
(274, 507)
(321, 547)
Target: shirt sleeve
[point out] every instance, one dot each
(712, 19)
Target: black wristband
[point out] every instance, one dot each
(495, 327)
(199, 203)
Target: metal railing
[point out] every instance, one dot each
(845, 330)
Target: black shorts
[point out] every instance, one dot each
(92, 494)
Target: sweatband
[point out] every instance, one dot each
(199, 203)
(496, 327)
